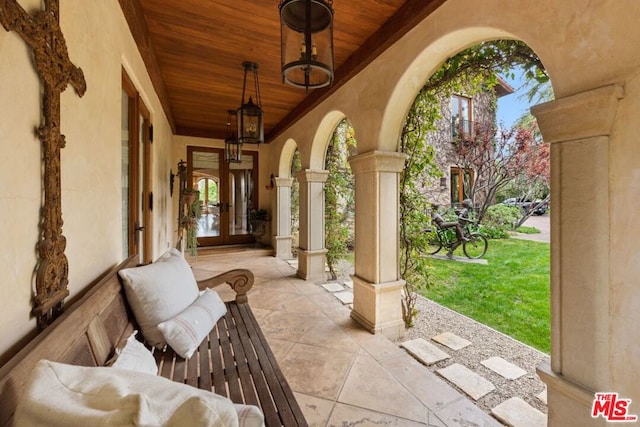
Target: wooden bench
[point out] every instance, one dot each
(234, 361)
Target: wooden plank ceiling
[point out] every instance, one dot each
(194, 51)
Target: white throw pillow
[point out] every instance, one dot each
(60, 395)
(185, 332)
(158, 291)
(249, 416)
(134, 356)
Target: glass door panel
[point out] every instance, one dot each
(226, 195)
(240, 195)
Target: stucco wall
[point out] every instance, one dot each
(99, 42)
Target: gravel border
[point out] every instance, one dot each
(434, 319)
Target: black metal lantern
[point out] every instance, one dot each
(232, 147)
(250, 126)
(306, 30)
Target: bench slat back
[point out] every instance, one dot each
(86, 334)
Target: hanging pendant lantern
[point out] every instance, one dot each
(306, 30)
(249, 117)
(232, 147)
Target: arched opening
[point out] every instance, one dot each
(340, 202)
(455, 152)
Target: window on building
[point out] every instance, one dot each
(461, 115)
(461, 184)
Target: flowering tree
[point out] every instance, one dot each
(513, 154)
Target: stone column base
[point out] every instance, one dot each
(377, 307)
(282, 247)
(311, 265)
(570, 404)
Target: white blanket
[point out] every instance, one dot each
(66, 395)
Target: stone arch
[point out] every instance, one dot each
(582, 127)
(321, 138)
(282, 239)
(286, 157)
(421, 68)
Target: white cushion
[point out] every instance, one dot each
(249, 416)
(185, 332)
(63, 395)
(134, 356)
(158, 291)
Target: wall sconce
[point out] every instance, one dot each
(306, 42)
(271, 182)
(172, 178)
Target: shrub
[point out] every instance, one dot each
(499, 220)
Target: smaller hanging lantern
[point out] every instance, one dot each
(232, 147)
(250, 126)
(306, 30)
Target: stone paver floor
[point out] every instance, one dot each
(513, 412)
(341, 374)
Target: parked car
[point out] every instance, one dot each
(539, 207)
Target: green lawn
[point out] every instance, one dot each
(510, 294)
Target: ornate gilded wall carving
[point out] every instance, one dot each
(41, 31)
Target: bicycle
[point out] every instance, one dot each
(474, 247)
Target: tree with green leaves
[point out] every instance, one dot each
(472, 70)
(296, 166)
(338, 193)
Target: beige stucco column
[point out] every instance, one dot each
(311, 254)
(282, 238)
(579, 130)
(377, 286)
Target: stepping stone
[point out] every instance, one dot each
(349, 284)
(542, 396)
(344, 296)
(452, 341)
(467, 380)
(462, 259)
(516, 412)
(504, 368)
(424, 351)
(333, 287)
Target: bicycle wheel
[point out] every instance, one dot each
(434, 244)
(476, 247)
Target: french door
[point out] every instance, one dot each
(137, 198)
(228, 191)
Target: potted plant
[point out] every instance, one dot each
(189, 195)
(189, 221)
(258, 219)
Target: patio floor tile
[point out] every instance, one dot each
(426, 386)
(463, 412)
(346, 415)
(316, 371)
(370, 386)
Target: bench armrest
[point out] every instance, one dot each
(240, 280)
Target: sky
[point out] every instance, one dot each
(512, 107)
